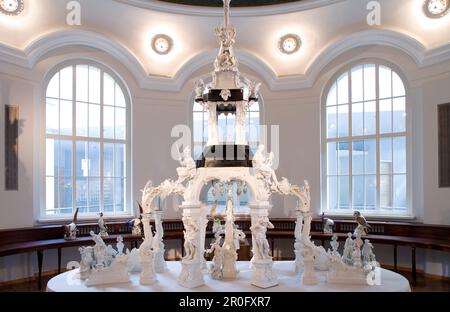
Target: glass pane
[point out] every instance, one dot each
(343, 89)
(399, 155)
(331, 122)
(358, 193)
(370, 192)
(397, 85)
(331, 159)
(198, 149)
(358, 157)
(399, 113)
(344, 192)
(254, 107)
(358, 119)
(369, 82)
(343, 158)
(108, 160)
(332, 193)
(82, 195)
(386, 116)
(51, 195)
(400, 191)
(386, 156)
(121, 118)
(370, 118)
(66, 117)
(94, 85)
(385, 191)
(357, 84)
(332, 96)
(343, 120)
(82, 160)
(82, 119)
(67, 83)
(198, 127)
(197, 107)
(65, 195)
(82, 83)
(94, 159)
(65, 158)
(108, 195)
(94, 120)
(108, 89)
(94, 195)
(53, 87)
(119, 162)
(51, 157)
(120, 195)
(370, 156)
(108, 122)
(52, 116)
(385, 82)
(120, 98)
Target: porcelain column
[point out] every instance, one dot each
(158, 244)
(263, 275)
(191, 272)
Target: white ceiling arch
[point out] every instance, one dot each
(38, 48)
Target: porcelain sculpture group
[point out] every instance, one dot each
(227, 92)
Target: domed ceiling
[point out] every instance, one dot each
(234, 3)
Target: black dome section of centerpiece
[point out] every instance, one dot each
(226, 156)
(236, 3)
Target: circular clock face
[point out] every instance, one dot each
(437, 8)
(11, 7)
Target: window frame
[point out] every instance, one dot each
(379, 214)
(41, 189)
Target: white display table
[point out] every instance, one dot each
(288, 282)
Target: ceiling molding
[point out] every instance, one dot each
(235, 12)
(39, 48)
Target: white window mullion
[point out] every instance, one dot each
(377, 95)
(73, 139)
(350, 142)
(101, 200)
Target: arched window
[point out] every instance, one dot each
(226, 125)
(365, 143)
(87, 143)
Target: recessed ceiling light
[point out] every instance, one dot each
(11, 7)
(162, 44)
(436, 8)
(290, 44)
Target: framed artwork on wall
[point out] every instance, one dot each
(11, 148)
(444, 144)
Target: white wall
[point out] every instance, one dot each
(155, 113)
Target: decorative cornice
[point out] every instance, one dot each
(237, 12)
(37, 49)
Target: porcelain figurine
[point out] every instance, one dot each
(261, 250)
(367, 252)
(190, 238)
(216, 268)
(102, 226)
(363, 227)
(327, 224)
(357, 252)
(334, 245)
(71, 229)
(87, 261)
(347, 255)
(120, 245)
